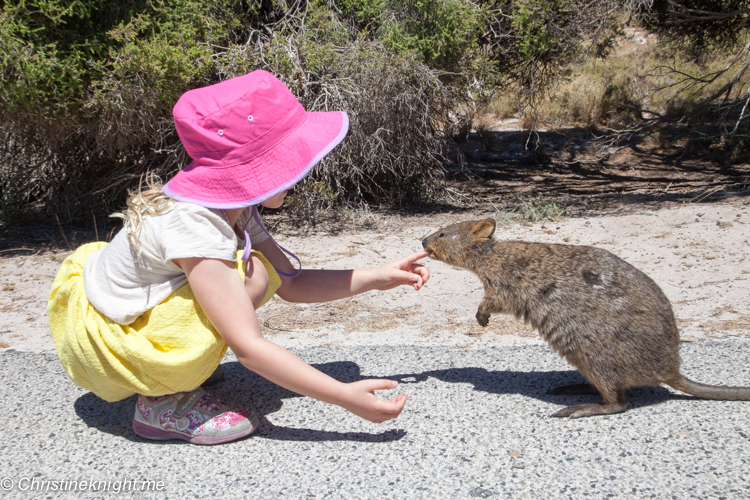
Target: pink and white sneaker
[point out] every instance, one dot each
(195, 416)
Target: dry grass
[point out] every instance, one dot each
(360, 314)
(620, 90)
(714, 327)
(351, 314)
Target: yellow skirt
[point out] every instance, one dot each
(170, 348)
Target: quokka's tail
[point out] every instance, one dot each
(721, 392)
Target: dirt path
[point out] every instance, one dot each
(699, 253)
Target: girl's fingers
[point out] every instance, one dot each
(378, 384)
(399, 399)
(404, 272)
(420, 275)
(412, 258)
(381, 410)
(409, 278)
(395, 406)
(422, 271)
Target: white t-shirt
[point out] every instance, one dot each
(122, 286)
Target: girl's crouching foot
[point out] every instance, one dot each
(195, 416)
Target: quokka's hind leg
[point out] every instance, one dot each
(614, 402)
(573, 389)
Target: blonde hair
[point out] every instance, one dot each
(148, 200)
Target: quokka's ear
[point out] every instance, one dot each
(483, 228)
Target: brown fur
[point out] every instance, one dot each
(604, 316)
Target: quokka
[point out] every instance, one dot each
(604, 316)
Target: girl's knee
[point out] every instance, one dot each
(256, 281)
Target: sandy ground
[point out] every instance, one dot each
(698, 253)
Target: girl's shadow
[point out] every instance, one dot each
(240, 388)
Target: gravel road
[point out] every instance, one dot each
(476, 425)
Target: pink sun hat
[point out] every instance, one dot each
(249, 139)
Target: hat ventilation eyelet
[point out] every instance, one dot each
(221, 132)
(250, 118)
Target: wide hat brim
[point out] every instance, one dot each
(278, 169)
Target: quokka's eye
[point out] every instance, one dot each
(441, 235)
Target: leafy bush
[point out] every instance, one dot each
(88, 90)
(87, 94)
(395, 103)
(699, 27)
(442, 33)
(532, 43)
(88, 86)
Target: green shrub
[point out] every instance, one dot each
(395, 104)
(441, 33)
(88, 86)
(88, 89)
(87, 94)
(539, 208)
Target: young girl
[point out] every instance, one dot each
(152, 312)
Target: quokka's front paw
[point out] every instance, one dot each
(483, 319)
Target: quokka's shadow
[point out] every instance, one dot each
(240, 388)
(535, 385)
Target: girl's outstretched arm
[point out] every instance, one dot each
(322, 285)
(222, 296)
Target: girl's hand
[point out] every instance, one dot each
(359, 398)
(404, 271)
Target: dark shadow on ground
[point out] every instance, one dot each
(240, 388)
(39, 238)
(534, 385)
(500, 165)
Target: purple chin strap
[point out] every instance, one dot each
(248, 246)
